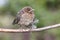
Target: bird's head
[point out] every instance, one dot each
(28, 9)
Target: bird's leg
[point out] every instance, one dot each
(31, 26)
(21, 27)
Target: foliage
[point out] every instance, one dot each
(47, 14)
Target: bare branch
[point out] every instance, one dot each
(27, 30)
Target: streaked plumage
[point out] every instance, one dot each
(25, 17)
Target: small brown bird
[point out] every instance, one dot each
(25, 17)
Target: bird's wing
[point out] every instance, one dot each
(35, 21)
(17, 19)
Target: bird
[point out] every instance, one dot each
(25, 17)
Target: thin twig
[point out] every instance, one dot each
(27, 30)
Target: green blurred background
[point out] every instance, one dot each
(47, 11)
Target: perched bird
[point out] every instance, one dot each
(25, 17)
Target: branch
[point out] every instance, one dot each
(27, 30)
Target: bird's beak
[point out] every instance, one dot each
(31, 10)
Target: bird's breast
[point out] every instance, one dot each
(26, 19)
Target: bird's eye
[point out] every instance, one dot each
(28, 9)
